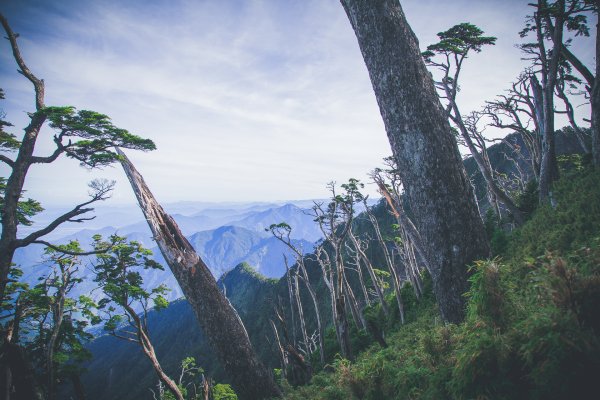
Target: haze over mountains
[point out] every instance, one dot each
(223, 234)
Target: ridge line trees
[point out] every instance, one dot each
(282, 232)
(453, 48)
(335, 221)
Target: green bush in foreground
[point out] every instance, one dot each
(532, 329)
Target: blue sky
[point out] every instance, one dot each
(246, 100)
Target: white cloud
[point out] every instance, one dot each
(248, 100)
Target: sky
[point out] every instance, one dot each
(246, 100)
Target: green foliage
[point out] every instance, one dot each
(50, 319)
(569, 225)
(92, 135)
(222, 391)
(117, 273)
(8, 142)
(532, 329)
(459, 40)
(25, 209)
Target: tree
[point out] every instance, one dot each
(282, 232)
(409, 244)
(448, 55)
(85, 136)
(516, 111)
(548, 21)
(117, 273)
(388, 261)
(54, 324)
(218, 319)
(439, 193)
(335, 221)
(61, 334)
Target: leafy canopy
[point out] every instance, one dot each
(118, 274)
(98, 136)
(459, 40)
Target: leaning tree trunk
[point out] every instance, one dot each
(218, 319)
(301, 314)
(148, 349)
(440, 195)
(313, 296)
(595, 96)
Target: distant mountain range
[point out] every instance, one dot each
(223, 235)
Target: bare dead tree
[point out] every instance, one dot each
(218, 319)
(565, 83)
(353, 305)
(397, 281)
(290, 286)
(300, 371)
(410, 238)
(282, 232)
(327, 270)
(448, 56)
(353, 254)
(516, 111)
(335, 220)
(296, 290)
(358, 247)
(281, 352)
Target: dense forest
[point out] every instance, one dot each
(474, 275)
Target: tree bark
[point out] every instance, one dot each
(549, 165)
(290, 294)
(595, 97)
(425, 150)
(219, 321)
(301, 314)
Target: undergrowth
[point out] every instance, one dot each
(532, 329)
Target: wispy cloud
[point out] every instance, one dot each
(246, 100)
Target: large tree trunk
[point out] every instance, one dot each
(549, 166)
(218, 319)
(440, 195)
(595, 96)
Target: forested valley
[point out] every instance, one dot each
(474, 274)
